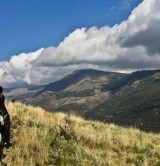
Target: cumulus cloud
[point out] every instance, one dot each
(133, 44)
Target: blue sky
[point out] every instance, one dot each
(28, 25)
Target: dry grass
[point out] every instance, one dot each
(98, 144)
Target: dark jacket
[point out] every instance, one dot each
(3, 110)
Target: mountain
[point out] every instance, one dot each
(22, 93)
(129, 79)
(77, 92)
(42, 138)
(78, 76)
(135, 101)
(124, 99)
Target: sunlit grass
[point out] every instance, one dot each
(36, 143)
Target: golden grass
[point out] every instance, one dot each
(36, 144)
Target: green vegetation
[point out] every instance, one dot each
(136, 104)
(84, 93)
(39, 140)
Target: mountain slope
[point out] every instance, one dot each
(76, 92)
(22, 93)
(87, 143)
(77, 76)
(135, 101)
(129, 79)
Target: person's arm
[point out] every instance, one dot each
(5, 110)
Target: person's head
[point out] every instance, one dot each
(1, 89)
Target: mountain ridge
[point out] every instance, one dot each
(75, 77)
(135, 103)
(124, 99)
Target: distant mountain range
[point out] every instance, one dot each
(125, 99)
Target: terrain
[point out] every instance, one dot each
(135, 101)
(124, 99)
(78, 92)
(44, 138)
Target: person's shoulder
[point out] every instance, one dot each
(1, 96)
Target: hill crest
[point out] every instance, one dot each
(34, 133)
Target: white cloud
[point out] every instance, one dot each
(133, 44)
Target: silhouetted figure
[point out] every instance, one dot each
(4, 113)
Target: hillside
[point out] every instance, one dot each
(77, 76)
(77, 92)
(86, 143)
(22, 93)
(124, 99)
(135, 101)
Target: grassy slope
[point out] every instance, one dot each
(98, 144)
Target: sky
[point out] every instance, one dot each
(29, 25)
(42, 41)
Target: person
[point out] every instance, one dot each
(4, 113)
